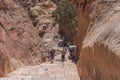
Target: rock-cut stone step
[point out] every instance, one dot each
(46, 71)
(27, 79)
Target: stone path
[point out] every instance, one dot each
(46, 71)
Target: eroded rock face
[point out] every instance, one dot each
(18, 38)
(99, 63)
(27, 31)
(99, 56)
(44, 23)
(84, 19)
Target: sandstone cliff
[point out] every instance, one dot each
(100, 55)
(21, 38)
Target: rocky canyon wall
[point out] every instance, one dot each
(21, 42)
(100, 56)
(83, 12)
(18, 38)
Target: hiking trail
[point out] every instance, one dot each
(46, 71)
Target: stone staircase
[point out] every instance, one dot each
(46, 71)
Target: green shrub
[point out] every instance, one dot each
(65, 15)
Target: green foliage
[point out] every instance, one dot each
(65, 15)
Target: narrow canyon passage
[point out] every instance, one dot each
(46, 71)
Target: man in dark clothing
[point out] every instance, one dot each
(72, 52)
(63, 53)
(52, 54)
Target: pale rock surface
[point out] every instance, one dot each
(100, 53)
(46, 71)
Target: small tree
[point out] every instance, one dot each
(65, 15)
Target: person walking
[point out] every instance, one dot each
(63, 53)
(72, 53)
(52, 54)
